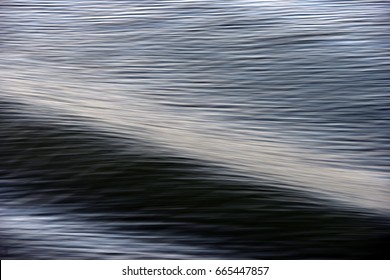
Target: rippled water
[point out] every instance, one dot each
(194, 129)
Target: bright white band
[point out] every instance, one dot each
(200, 269)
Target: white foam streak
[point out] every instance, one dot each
(108, 105)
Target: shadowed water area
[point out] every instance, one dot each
(194, 129)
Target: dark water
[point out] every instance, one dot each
(194, 129)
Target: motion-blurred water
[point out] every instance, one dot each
(194, 129)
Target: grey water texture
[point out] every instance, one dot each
(163, 129)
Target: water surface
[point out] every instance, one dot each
(194, 129)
